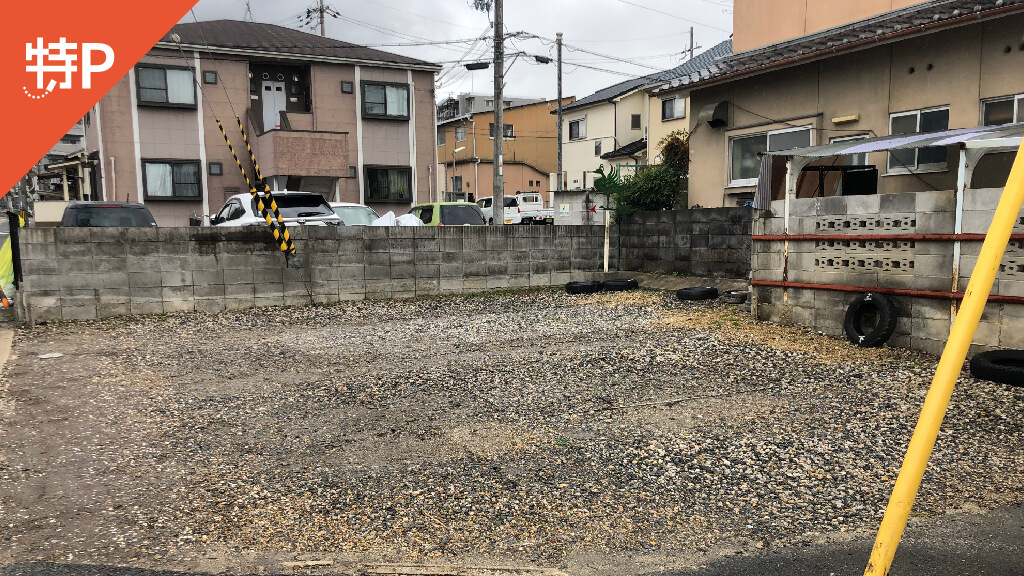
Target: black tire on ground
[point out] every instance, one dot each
(735, 296)
(1001, 366)
(583, 287)
(853, 324)
(620, 284)
(697, 293)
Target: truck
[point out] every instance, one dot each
(523, 208)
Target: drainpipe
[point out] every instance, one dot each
(476, 165)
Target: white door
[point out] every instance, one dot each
(274, 102)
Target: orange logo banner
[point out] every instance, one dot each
(60, 59)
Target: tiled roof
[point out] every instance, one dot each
(257, 37)
(699, 62)
(915, 19)
(628, 150)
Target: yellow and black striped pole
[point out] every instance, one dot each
(266, 189)
(280, 235)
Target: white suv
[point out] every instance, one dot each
(302, 208)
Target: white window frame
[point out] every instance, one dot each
(745, 182)
(582, 134)
(855, 137)
(670, 118)
(1017, 111)
(463, 139)
(917, 167)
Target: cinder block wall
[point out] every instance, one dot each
(711, 242)
(88, 273)
(923, 323)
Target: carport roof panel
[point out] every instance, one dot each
(977, 134)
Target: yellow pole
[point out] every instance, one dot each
(950, 365)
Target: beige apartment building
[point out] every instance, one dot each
(618, 127)
(465, 147)
(352, 123)
(928, 67)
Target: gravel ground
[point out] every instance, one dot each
(597, 434)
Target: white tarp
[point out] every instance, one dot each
(409, 220)
(390, 219)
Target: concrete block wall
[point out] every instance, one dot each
(710, 242)
(923, 323)
(89, 273)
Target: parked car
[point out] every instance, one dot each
(302, 208)
(449, 214)
(106, 214)
(354, 214)
(523, 208)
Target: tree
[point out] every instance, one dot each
(661, 186)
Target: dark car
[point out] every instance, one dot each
(106, 214)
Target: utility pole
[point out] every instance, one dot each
(558, 41)
(324, 34)
(691, 43)
(498, 194)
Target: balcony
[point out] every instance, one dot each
(303, 153)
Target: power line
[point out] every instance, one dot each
(419, 15)
(591, 52)
(675, 16)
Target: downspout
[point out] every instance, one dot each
(615, 125)
(476, 163)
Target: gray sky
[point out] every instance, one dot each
(622, 29)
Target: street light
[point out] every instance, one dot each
(454, 152)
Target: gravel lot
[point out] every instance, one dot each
(597, 434)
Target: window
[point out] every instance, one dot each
(634, 122)
(171, 179)
(233, 210)
(460, 215)
(507, 103)
(1003, 111)
(426, 214)
(488, 103)
(931, 158)
(578, 129)
(389, 101)
(69, 140)
(440, 138)
(672, 109)
(597, 148)
(531, 183)
(388, 183)
(460, 133)
(852, 159)
(744, 164)
(506, 129)
(210, 77)
(456, 183)
(346, 87)
(166, 87)
(216, 169)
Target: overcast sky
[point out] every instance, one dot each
(623, 29)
